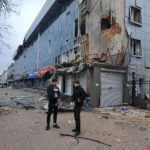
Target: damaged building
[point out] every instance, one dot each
(101, 43)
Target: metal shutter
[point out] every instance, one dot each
(111, 89)
(68, 85)
(83, 81)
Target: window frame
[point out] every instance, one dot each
(132, 52)
(131, 18)
(76, 21)
(58, 60)
(83, 22)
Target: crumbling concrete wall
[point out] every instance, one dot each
(107, 27)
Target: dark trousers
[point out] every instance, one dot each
(50, 111)
(77, 111)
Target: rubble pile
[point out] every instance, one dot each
(126, 117)
(24, 102)
(28, 99)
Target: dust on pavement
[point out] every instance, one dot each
(21, 129)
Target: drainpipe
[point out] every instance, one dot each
(38, 51)
(38, 54)
(88, 81)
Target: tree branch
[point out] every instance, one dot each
(6, 7)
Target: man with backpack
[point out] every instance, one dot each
(78, 98)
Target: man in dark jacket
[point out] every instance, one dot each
(79, 96)
(53, 93)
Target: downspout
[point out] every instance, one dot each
(38, 51)
(38, 55)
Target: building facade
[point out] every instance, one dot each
(101, 43)
(0, 79)
(137, 21)
(4, 78)
(10, 74)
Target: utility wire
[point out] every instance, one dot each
(68, 135)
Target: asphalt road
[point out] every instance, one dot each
(22, 129)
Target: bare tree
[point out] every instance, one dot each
(6, 7)
(4, 32)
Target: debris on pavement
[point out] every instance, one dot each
(70, 121)
(29, 107)
(118, 140)
(5, 110)
(98, 117)
(126, 112)
(115, 125)
(105, 117)
(104, 113)
(103, 133)
(30, 99)
(142, 129)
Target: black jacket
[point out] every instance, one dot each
(78, 93)
(53, 94)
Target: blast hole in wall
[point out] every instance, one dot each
(105, 24)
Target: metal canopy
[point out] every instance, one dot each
(49, 8)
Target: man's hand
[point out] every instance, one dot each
(58, 101)
(73, 104)
(79, 101)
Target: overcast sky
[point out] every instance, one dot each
(28, 9)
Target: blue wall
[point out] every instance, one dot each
(31, 56)
(141, 33)
(59, 28)
(19, 66)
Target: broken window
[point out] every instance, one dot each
(76, 28)
(49, 46)
(136, 47)
(58, 60)
(105, 24)
(135, 15)
(77, 53)
(64, 57)
(83, 25)
(67, 56)
(64, 84)
(70, 55)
